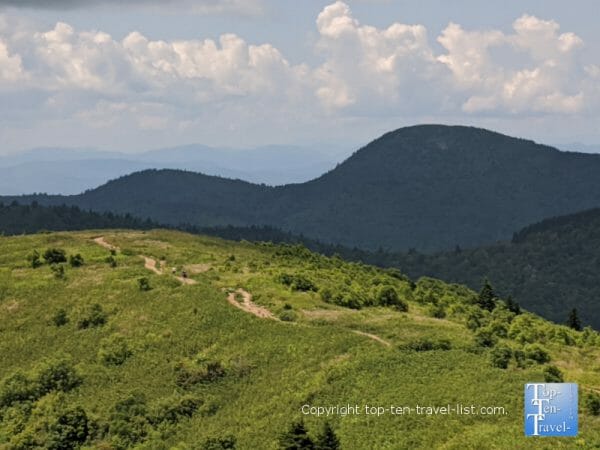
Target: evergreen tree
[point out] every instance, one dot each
(513, 306)
(296, 438)
(486, 298)
(573, 320)
(327, 440)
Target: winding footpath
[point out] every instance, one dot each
(248, 305)
(149, 263)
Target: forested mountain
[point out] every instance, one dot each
(549, 267)
(427, 187)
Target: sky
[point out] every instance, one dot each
(141, 74)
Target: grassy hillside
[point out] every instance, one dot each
(119, 353)
(427, 187)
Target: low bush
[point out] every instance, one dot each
(592, 403)
(500, 356)
(55, 256)
(426, 345)
(76, 260)
(187, 374)
(60, 317)
(297, 282)
(144, 284)
(92, 316)
(537, 353)
(553, 374)
(114, 350)
(288, 315)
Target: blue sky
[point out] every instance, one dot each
(137, 75)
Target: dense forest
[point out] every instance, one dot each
(550, 267)
(427, 187)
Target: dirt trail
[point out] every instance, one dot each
(248, 305)
(150, 264)
(373, 336)
(186, 280)
(100, 241)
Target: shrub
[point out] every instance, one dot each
(129, 424)
(114, 350)
(475, 319)
(187, 375)
(144, 284)
(17, 387)
(500, 356)
(112, 262)
(537, 353)
(345, 297)
(173, 409)
(93, 316)
(60, 317)
(437, 311)
(52, 375)
(485, 338)
(69, 430)
(34, 259)
(76, 260)
(592, 403)
(388, 296)
(55, 256)
(288, 315)
(426, 345)
(297, 282)
(520, 358)
(57, 375)
(552, 374)
(219, 443)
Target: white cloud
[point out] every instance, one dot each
(96, 80)
(548, 81)
(366, 67)
(11, 68)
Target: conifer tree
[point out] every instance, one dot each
(296, 438)
(486, 298)
(513, 306)
(327, 440)
(573, 320)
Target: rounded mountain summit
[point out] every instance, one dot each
(428, 187)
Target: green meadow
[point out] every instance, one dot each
(100, 352)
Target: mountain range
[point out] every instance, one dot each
(72, 171)
(428, 187)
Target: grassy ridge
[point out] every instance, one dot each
(267, 369)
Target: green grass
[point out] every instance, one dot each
(271, 368)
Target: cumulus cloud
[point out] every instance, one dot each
(548, 81)
(95, 79)
(11, 68)
(373, 68)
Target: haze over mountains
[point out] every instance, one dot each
(427, 187)
(72, 171)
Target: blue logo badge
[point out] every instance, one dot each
(551, 409)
